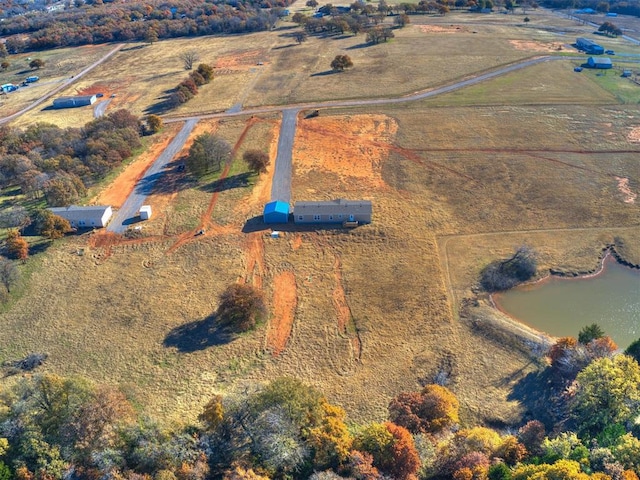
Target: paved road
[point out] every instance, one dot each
(128, 213)
(281, 185)
(64, 85)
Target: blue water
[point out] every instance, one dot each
(561, 307)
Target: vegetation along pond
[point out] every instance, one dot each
(562, 306)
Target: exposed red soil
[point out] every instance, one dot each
(296, 243)
(284, 308)
(242, 60)
(120, 189)
(254, 253)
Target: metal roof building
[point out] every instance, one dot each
(85, 217)
(276, 212)
(333, 211)
(71, 102)
(599, 62)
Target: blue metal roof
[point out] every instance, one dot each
(276, 207)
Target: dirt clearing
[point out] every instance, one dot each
(532, 46)
(284, 308)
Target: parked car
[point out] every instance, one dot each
(99, 95)
(577, 69)
(609, 52)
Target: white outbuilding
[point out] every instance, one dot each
(145, 212)
(85, 217)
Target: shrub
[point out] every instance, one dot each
(241, 307)
(257, 160)
(506, 274)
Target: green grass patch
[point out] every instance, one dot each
(623, 89)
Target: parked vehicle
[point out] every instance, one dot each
(32, 79)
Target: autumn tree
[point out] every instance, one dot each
(154, 123)
(151, 36)
(257, 160)
(17, 246)
(189, 58)
(9, 274)
(50, 225)
(331, 440)
(608, 393)
(402, 20)
(633, 350)
(64, 189)
(300, 36)
(213, 413)
(241, 307)
(311, 3)
(429, 411)
(36, 64)
(531, 435)
(341, 62)
(4, 65)
(3, 51)
(207, 154)
(206, 71)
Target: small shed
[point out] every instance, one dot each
(145, 212)
(276, 212)
(85, 217)
(72, 102)
(599, 62)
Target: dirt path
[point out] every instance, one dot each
(254, 253)
(346, 323)
(284, 307)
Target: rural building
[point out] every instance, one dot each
(597, 62)
(276, 212)
(85, 217)
(334, 211)
(145, 212)
(589, 46)
(72, 102)
(627, 73)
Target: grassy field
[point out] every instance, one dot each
(534, 157)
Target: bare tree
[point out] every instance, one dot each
(189, 58)
(300, 37)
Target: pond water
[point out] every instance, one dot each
(562, 306)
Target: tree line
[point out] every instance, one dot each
(53, 427)
(59, 164)
(623, 7)
(121, 22)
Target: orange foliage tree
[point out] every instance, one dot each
(331, 439)
(429, 411)
(17, 246)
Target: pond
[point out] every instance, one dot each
(563, 306)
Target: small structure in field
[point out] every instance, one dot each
(85, 217)
(627, 73)
(72, 102)
(276, 212)
(346, 212)
(145, 212)
(599, 62)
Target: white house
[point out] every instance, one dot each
(85, 217)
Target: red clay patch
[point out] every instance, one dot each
(284, 308)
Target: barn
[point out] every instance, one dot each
(276, 212)
(85, 217)
(72, 102)
(588, 46)
(333, 211)
(604, 62)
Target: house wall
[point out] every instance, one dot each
(331, 217)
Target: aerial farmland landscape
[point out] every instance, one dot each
(249, 240)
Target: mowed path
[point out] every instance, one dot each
(129, 210)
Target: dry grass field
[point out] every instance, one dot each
(548, 159)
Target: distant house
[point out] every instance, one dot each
(334, 211)
(85, 217)
(72, 102)
(599, 62)
(589, 46)
(627, 73)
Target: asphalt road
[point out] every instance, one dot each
(64, 85)
(100, 108)
(281, 185)
(128, 214)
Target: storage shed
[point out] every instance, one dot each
(85, 217)
(72, 102)
(597, 62)
(145, 212)
(589, 46)
(333, 211)
(276, 212)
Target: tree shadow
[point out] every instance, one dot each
(198, 335)
(288, 45)
(256, 224)
(535, 392)
(359, 45)
(325, 73)
(235, 181)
